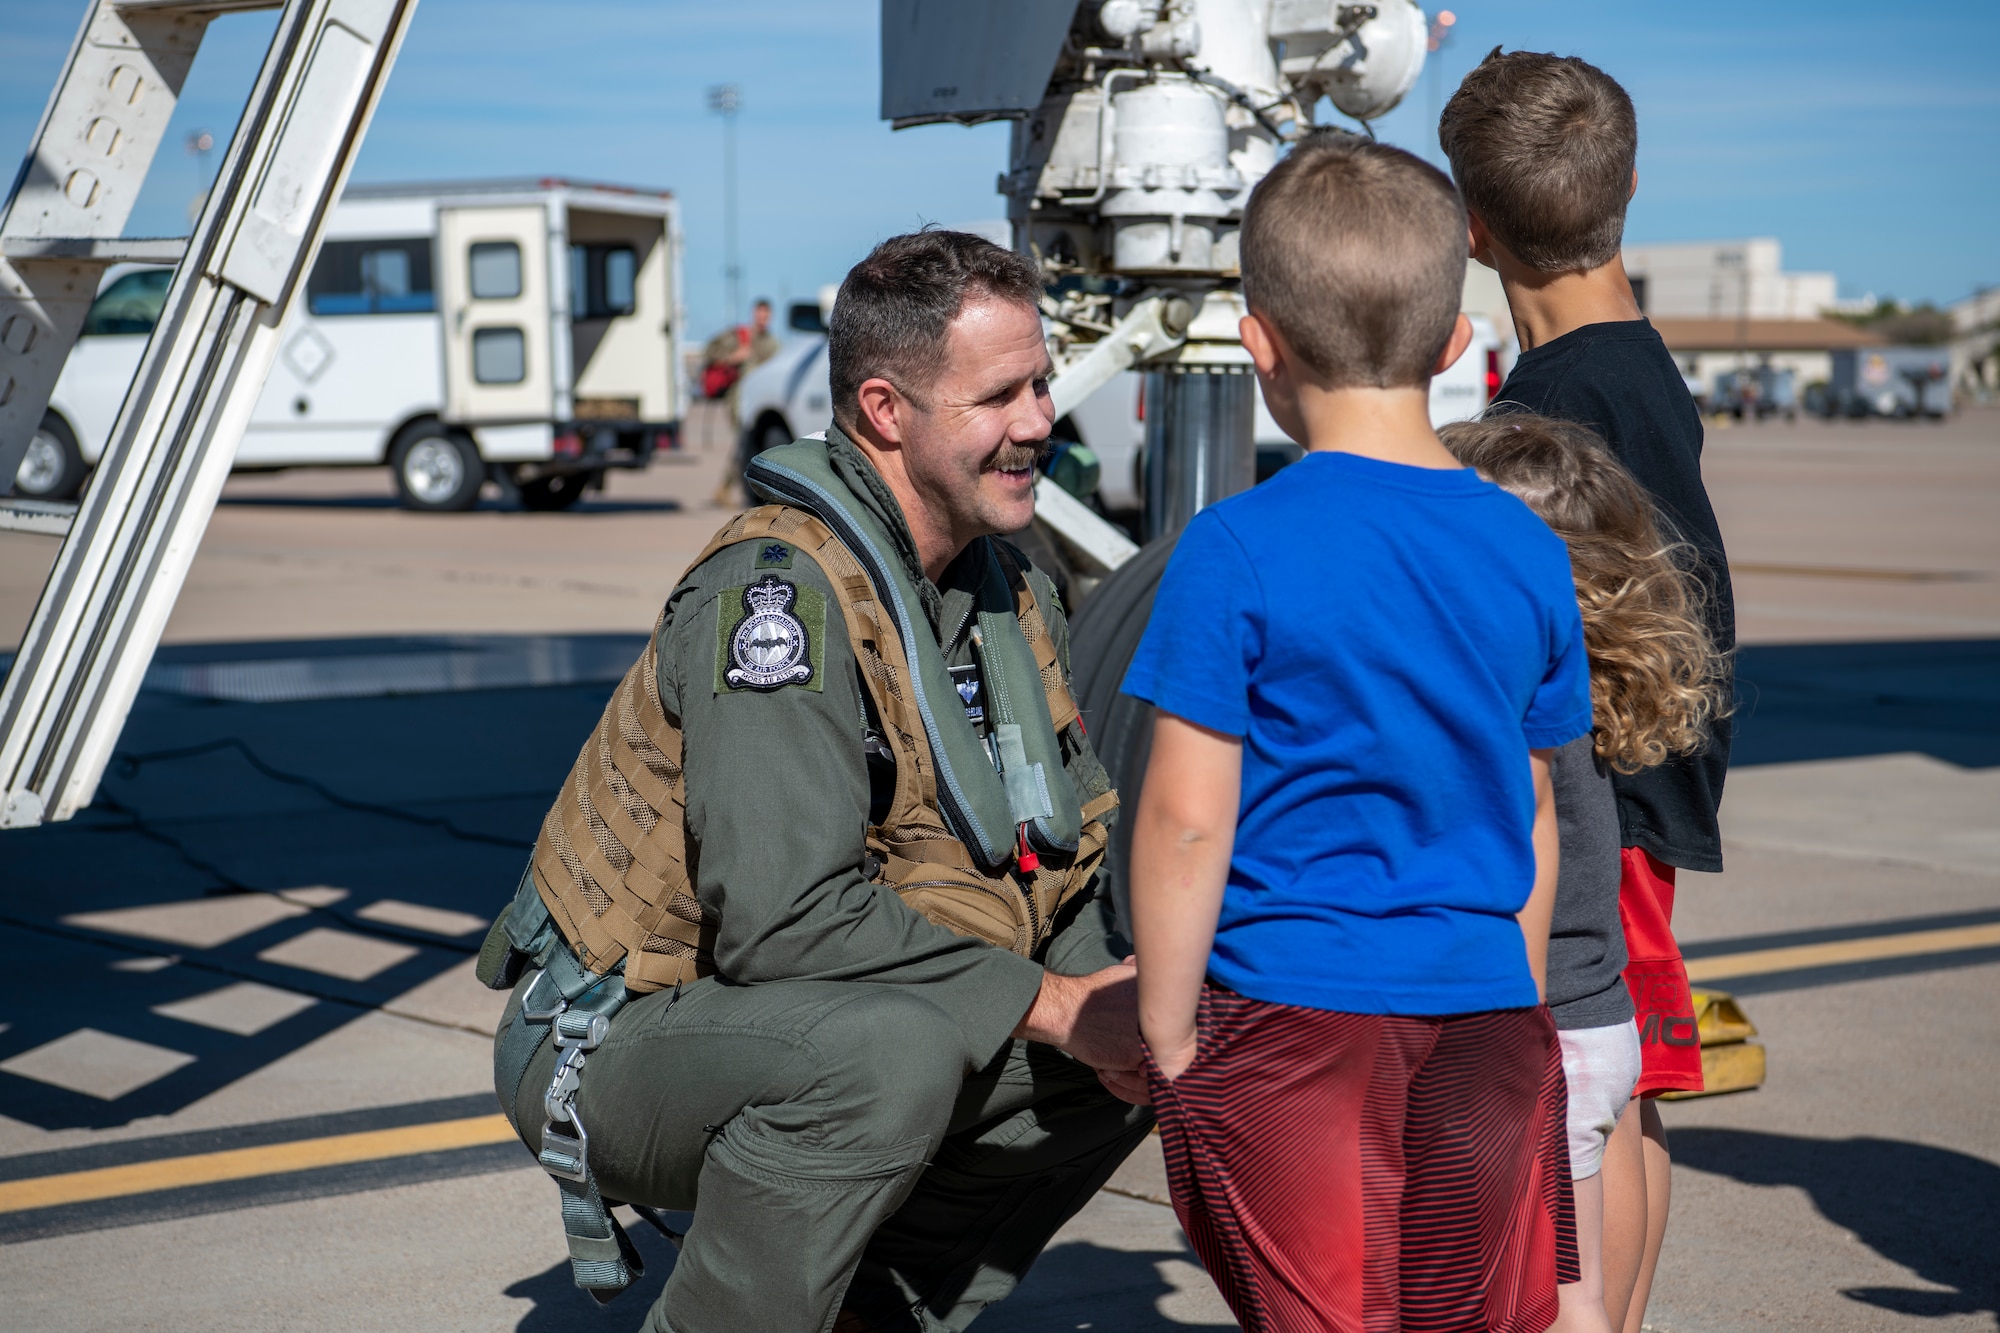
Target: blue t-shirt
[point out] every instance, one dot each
(1389, 642)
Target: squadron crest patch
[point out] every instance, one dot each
(770, 647)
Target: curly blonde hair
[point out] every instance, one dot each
(1657, 681)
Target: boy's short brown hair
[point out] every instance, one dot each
(1356, 252)
(1543, 149)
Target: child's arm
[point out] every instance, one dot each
(1181, 840)
(1535, 917)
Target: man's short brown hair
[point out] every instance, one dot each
(1543, 148)
(1356, 252)
(895, 307)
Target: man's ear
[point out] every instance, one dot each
(875, 404)
(1635, 185)
(1454, 347)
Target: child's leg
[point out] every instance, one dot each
(1488, 1228)
(1659, 1184)
(1283, 1148)
(1583, 1300)
(1625, 1213)
(1636, 1184)
(1600, 1067)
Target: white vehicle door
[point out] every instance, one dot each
(493, 289)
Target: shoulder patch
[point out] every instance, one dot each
(774, 555)
(769, 635)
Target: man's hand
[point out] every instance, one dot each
(1096, 1019)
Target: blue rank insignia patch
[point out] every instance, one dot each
(770, 638)
(774, 555)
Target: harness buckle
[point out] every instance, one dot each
(580, 1031)
(530, 1014)
(566, 1156)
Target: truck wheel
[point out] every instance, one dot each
(53, 467)
(438, 470)
(557, 491)
(771, 433)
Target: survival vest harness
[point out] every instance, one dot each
(988, 843)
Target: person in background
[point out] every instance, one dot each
(1344, 858)
(728, 357)
(1656, 684)
(1544, 149)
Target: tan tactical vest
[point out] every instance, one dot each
(611, 861)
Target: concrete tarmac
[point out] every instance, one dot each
(251, 956)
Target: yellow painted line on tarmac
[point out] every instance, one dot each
(1848, 572)
(1798, 957)
(211, 1168)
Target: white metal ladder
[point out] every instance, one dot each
(134, 533)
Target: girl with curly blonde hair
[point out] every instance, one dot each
(1657, 684)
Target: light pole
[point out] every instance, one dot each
(724, 99)
(1434, 39)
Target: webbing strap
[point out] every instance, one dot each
(602, 1259)
(575, 1006)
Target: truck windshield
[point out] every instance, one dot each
(389, 277)
(132, 304)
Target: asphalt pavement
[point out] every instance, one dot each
(245, 1074)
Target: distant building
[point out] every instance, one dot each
(1975, 345)
(1725, 280)
(1726, 306)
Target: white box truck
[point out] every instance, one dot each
(520, 331)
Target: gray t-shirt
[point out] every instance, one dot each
(1586, 943)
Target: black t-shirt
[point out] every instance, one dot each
(1619, 380)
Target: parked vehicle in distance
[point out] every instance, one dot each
(787, 397)
(1890, 382)
(1766, 391)
(518, 331)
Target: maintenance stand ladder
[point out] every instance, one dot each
(131, 538)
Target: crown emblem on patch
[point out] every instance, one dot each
(770, 648)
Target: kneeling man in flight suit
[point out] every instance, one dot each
(810, 943)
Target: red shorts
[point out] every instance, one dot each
(1669, 1041)
(1362, 1173)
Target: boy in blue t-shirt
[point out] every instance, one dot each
(1344, 855)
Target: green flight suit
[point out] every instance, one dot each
(843, 1104)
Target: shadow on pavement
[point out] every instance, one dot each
(486, 503)
(1081, 1285)
(151, 963)
(1837, 700)
(1072, 1286)
(563, 1307)
(1930, 1210)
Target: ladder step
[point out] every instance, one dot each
(51, 518)
(96, 249)
(205, 6)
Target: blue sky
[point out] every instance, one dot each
(1865, 138)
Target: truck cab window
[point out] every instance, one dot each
(495, 270)
(372, 278)
(132, 304)
(602, 280)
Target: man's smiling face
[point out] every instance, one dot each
(972, 442)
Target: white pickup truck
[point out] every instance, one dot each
(522, 332)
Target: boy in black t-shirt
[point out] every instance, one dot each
(1543, 149)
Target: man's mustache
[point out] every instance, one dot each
(1013, 457)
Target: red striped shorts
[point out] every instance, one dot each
(1367, 1173)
